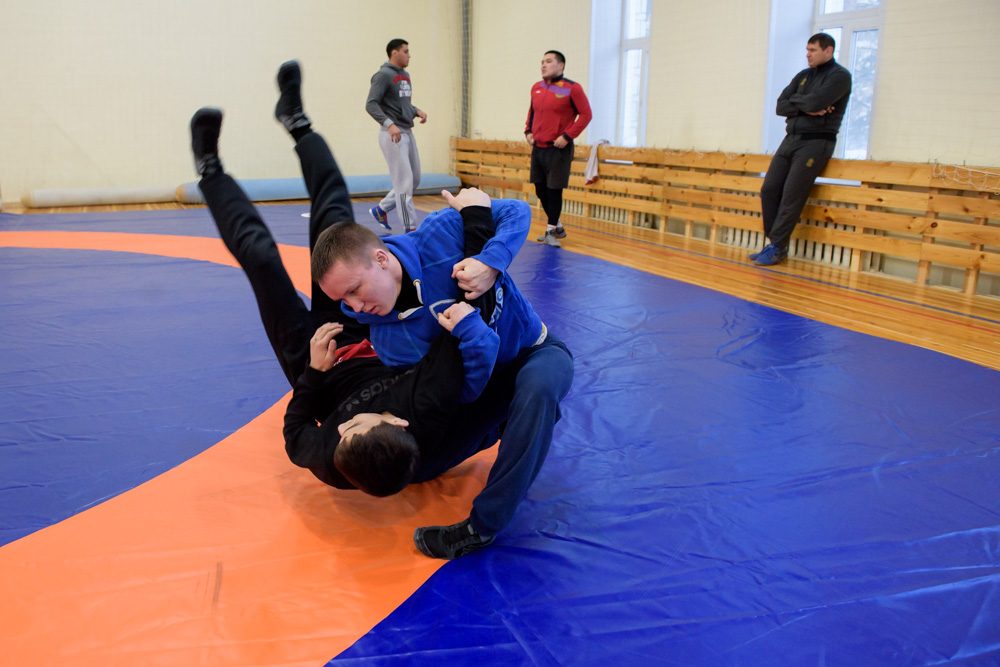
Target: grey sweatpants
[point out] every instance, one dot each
(404, 171)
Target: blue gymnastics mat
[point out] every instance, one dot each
(729, 485)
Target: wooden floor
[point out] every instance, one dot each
(930, 317)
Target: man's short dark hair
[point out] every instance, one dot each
(559, 56)
(380, 462)
(823, 40)
(394, 45)
(343, 241)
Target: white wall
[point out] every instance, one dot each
(791, 25)
(99, 93)
(605, 44)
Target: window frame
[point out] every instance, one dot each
(643, 45)
(851, 21)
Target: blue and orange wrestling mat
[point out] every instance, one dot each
(729, 485)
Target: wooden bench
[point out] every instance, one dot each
(862, 215)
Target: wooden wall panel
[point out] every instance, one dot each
(887, 208)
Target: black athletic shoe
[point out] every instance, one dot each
(206, 125)
(449, 542)
(289, 111)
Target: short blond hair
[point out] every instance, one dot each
(346, 242)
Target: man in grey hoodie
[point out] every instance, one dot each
(390, 104)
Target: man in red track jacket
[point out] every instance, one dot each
(558, 113)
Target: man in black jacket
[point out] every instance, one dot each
(813, 104)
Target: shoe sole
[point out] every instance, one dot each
(207, 121)
(287, 71)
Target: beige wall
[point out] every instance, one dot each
(707, 74)
(938, 91)
(704, 92)
(938, 94)
(99, 93)
(509, 39)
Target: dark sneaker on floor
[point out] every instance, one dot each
(560, 234)
(449, 542)
(289, 111)
(550, 239)
(380, 216)
(770, 255)
(206, 125)
(754, 255)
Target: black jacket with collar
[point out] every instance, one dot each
(815, 90)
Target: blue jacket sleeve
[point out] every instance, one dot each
(512, 219)
(479, 346)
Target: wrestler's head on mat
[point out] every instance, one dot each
(376, 453)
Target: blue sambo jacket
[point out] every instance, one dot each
(402, 338)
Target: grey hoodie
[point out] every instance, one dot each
(389, 100)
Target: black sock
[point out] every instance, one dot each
(208, 165)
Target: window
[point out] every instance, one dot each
(619, 69)
(855, 24)
(634, 58)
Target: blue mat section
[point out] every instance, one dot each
(117, 367)
(730, 485)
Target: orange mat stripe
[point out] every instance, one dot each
(235, 557)
(296, 258)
